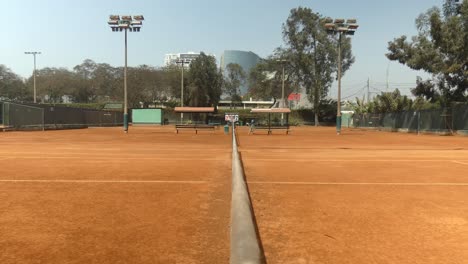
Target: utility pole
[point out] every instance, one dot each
(34, 53)
(388, 69)
(283, 100)
(368, 90)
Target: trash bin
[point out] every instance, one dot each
(226, 129)
(241, 123)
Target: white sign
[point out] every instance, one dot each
(231, 117)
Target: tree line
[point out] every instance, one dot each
(441, 49)
(91, 82)
(309, 57)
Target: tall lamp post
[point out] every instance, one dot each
(119, 24)
(182, 62)
(340, 27)
(283, 103)
(34, 53)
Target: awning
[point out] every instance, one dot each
(270, 110)
(194, 109)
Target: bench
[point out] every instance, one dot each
(270, 128)
(196, 127)
(6, 128)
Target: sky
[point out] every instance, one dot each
(68, 32)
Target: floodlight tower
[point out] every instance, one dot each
(34, 53)
(119, 24)
(340, 27)
(183, 63)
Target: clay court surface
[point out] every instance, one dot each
(100, 196)
(362, 197)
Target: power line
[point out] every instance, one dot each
(356, 93)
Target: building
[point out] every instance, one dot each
(246, 59)
(172, 58)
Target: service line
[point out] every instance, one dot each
(459, 162)
(365, 183)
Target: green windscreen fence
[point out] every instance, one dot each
(147, 116)
(450, 119)
(22, 116)
(16, 116)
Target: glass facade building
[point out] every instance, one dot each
(246, 59)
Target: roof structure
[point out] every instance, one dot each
(270, 110)
(194, 109)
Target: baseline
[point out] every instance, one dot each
(103, 181)
(365, 183)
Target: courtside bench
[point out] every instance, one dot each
(270, 128)
(195, 127)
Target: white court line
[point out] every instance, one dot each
(365, 183)
(105, 181)
(459, 162)
(86, 158)
(349, 160)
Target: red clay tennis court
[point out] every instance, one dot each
(100, 196)
(362, 197)
(151, 196)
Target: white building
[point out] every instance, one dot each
(172, 58)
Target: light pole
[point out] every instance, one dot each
(119, 24)
(283, 103)
(34, 53)
(340, 27)
(182, 62)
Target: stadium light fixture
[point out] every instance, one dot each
(125, 23)
(34, 53)
(339, 21)
(340, 27)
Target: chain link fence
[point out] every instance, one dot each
(17, 116)
(32, 117)
(445, 121)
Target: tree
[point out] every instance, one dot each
(105, 80)
(233, 79)
(441, 49)
(265, 79)
(12, 86)
(96, 82)
(393, 102)
(360, 107)
(145, 85)
(172, 82)
(205, 82)
(386, 102)
(312, 53)
(54, 83)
